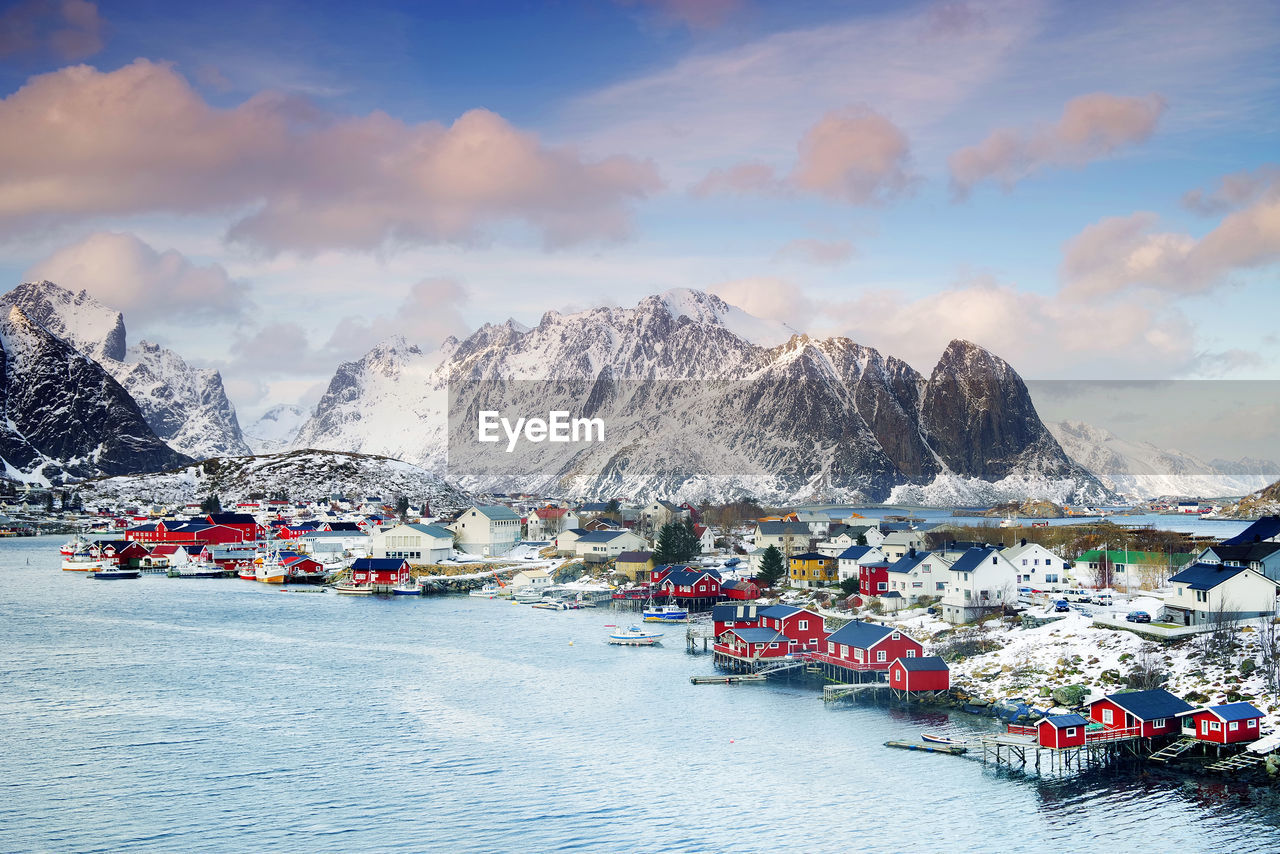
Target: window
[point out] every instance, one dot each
(883, 585)
(773, 646)
(896, 636)
(1106, 717)
(857, 654)
(897, 676)
(804, 624)
(1159, 723)
(844, 651)
(1233, 726)
(1214, 726)
(1253, 723)
(880, 655)
(831, 648)
(911, 653)
(1070, 732)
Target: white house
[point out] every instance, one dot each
(325, 546)
(546, 523)
(849, 561)
(896, 544)
(1037, 566)
(819, 523)
(600, 546)
(532, 579)
(566, 541)
(487, 530)
(659, 513)
(788, 537)
(1203, 593)
(706, 539)
(981, 581)
(413, 542)
(917, 575)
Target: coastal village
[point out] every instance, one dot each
(1083, 653)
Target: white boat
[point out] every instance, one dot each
(666, 614)
(634, 636)
(114, 572)
(408, 588)
(527, 597)
(489, 591)
(267, 569)
(82, 562)
(353, 589)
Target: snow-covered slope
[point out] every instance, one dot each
(64, 417)
(695, 410)
(275, 429)
(186, 407)
(301, 475)
(1143, 470)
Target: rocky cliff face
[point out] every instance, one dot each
(276, 429)
(64, 416)
(186, 407)
(694, 409)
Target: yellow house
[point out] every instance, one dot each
(813, 569)
(637, 566)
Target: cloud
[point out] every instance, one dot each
(827, 253)
(768, 297)
(1123, 253)
(694, 14)
(1091, 127)
(141, 140)
(429, 313)
(1233, 191)
(856, 156)
(146, 285)
(69, 29)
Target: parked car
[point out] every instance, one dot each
(1062, 605)
(1076, 595)
(1138, 617)
(1103, 599)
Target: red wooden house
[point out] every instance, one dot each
(1231, 723)
(1147, 713)
(690, 586)
(749, 643)
(873, 579)
(242, 522)
(868, 646)
(804, 630)
(735, 617)
(927, 673)
(379, 570)
(740, 590)
(1061, 731)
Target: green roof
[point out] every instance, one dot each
(1130, 556)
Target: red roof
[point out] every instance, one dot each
(550, 512)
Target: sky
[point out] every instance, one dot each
(1090, 190)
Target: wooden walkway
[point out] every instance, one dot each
(1239, 762)
(1173, 751)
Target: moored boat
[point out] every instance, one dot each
(408, 588)
(112, 572)
(634, 636)
(353, 589)
(936, 739)
(268, 569)
(527, 597)
(85, 562)
(666, 614)
(489, 591)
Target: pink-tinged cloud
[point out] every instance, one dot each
(1233, 191)
(856, 156)
(430, 312)
(829, 253)
(1091, 127)
(69, 29)
(768, 297)
(695, 14)
(128, 274)
(141, 140)
(1125, 253)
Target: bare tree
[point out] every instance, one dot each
(1269, 650)
(1147, 671)
(1104, 573)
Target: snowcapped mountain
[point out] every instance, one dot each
(276, 428)
(64, 415)
(301, 475)
(186, 407)
(694, 409)
(1143, 470)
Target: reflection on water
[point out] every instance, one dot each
(216, 715)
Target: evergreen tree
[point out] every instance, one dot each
(402, 507)
(676, 544)
(850, 586)
(48, 502)
(613, 509)
(211, 504)
(772, 569)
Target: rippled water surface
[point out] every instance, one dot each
(222, 715)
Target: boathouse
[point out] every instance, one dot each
(1149, 713)
(858, 649)
(804, 630)
(1230, 723)
(927, 673)
(736, 616)
(696, 589)
(1061, 731)
(740, 590)
(751, 644)
(379, 571)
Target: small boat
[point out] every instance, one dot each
(267, 569)
(552, 605)
(634, 636)
(114, 572)
(937, 739)
(527, 597)
(666, 614)
(353, 589)
(489, 591)
(408, 588)
(83, 562)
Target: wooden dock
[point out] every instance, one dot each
(835, 692)
(950, 749)
(727, 679)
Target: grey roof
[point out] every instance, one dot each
(859, 634)
(601, 536)
(727, 613)
(854, 552)
(1061, 721)
(635, 557)
(496, 511)
(775, 529)
(1149, 705)
(924, 664)
(754, 635)
(972, 559)
(1240, 711)
(1246, 553)
(1206, 576)
(432, 530)
(908, 562)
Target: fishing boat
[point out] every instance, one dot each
(73, 547)
(527, 597)
(408, 588)
(112, 572)
(489, 591)
(666, 614)
(937, 739)
(353, 589)
(86, 562)
(268, 569)
(634, 636)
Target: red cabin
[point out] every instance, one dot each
(248, 527)
(379, 570)
(735, 617)
(741, 591)
(1061, 731)
(803, 630)
(1146, 713)
(928, 673)
(868, 646)
(1231, 723)
(873, 580)
(687, 583)
(752, 643)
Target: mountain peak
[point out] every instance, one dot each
(82, 321)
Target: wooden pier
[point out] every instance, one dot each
(728, 679)
(951, 749)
